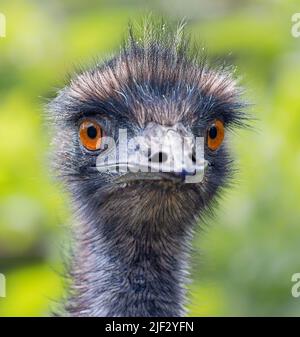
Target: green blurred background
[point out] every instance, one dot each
(245, 256)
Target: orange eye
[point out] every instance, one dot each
(215, 135)
(90, 134)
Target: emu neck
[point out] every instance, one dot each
(131, 262)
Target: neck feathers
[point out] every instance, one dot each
(131, 261)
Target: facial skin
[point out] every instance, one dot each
(139, 225)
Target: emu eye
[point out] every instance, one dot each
(90, 134)
(215, 135)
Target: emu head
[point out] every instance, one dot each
(161, 91)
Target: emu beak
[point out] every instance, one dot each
(176, 151)
(163, 153)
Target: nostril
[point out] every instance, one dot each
(193, 157)
(158, 157)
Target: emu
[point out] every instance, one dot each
(132, 232)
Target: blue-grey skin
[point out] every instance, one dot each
(132, 241)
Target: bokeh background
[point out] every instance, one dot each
(246, 255)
